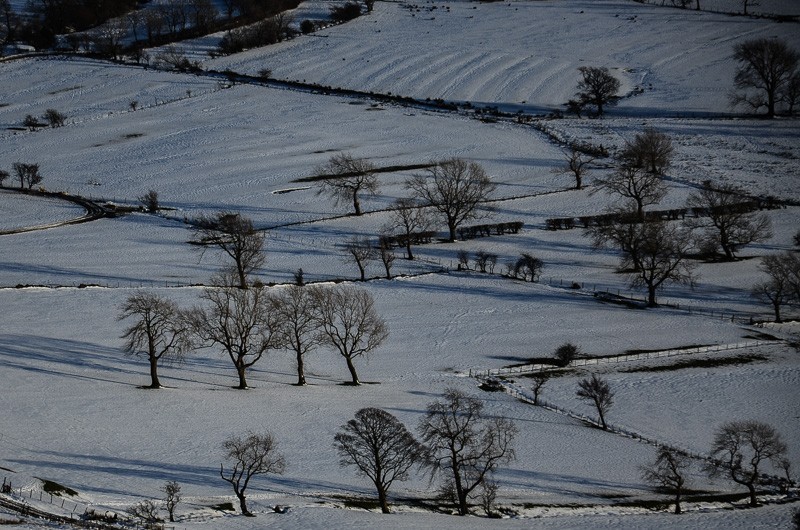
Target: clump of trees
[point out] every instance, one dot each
(263, 33)
(345, 12)
(767, 77)
(27, 174)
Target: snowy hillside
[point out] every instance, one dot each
(72, 407)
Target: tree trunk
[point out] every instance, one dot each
(154, 382)
(753, 500)
(777, 307)
(408, 248)
(602, 418)
(301, 376)
(352, 369)
(242, 276)
(678, 501)
(240, 369)
(382, 499)
(361, 270)
(462, 503)
(451, 226)
(578, 181)
(356, 204)
(651, 296)
(243, 504)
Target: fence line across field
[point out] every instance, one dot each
(627, 357)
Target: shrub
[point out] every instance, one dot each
(31, 123)
(307, 27)
(345, 12)
(150, 201)
(54, 118)
(566, 353)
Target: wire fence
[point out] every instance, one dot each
(623, 358)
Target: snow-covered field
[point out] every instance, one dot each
(71, 408)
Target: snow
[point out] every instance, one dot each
(71, 404)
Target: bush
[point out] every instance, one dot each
(566, 353)
(54, 118)
(150, 201)
(31, 123)
(345, 12)
(307, 27)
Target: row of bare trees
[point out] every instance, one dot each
(457, 441)
(245, 324)
(28, 175)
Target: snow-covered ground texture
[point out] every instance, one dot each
(24, 211)
(71, 406)
(523, 54)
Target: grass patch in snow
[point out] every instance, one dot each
(54, 488)
(700, 363)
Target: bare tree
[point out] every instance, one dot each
(149, 201)
(661, 257)
(455, 188)
(350, 323)
(240, 322)
(3, 176)
(539, 380)
(172, 491)
(381, 447)
(577, 164)
(160, 330)
(54, 118)
(485, 261)
(725, 221)
(147, 512)
(466, 443)
(598, 392)
(669, 471)
(234, 235)
(566, 353)
(635, 186)
(766, 69)
(650, 150)
(28, 174)
(741, 448)
(527, 267)
(360, 251)
(347, 178)
(387, 257)
(255, 454)
(597, 87)
(783, 285)
(295, 309)
(409, 217)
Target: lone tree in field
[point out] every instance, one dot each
(160, 330)
(669, 472)
(767, 74)
(597, 87)
(346, 178)
(381, 447)
(238, 321)
(634, 185)
(650, 150)
(350, 324)
(27, 174)
(149, 201)
(359, 250)
(741, 448)
(455, 188)
(147, 512)
(234, 235)
(727, 222)
(172, 492)
(566, 353)
(539, 380)
(466, 445)
(577, 165)
(528, 267)
(387, 256)
(783, 285)
(298, 327)
(255, 454)
(408, 216)
(598, 392)
(661, 256)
